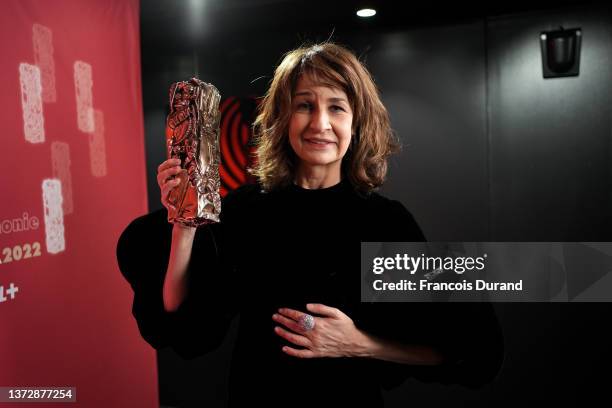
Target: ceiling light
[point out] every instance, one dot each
(366, 12)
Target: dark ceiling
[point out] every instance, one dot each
(180, 24)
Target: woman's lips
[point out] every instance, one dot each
(318, 143)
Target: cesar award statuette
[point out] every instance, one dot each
(192, 135)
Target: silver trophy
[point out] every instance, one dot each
(192, 135)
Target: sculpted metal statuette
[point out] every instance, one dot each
(192, 135)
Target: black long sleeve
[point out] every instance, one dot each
(143, 251)
(287, 248)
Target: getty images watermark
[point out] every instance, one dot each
(486, 271)
(431, 267)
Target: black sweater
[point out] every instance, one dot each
(287, 248)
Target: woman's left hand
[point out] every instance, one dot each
(334, 334)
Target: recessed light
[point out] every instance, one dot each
(366, 12)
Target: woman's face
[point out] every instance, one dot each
(320, 125)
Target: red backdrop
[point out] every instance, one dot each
(73, 176)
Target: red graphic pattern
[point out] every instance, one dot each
(235, 142)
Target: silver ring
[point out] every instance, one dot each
(307, 322)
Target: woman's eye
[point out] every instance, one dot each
(304, 106)
(336, 108)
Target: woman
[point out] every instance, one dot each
(286, 256)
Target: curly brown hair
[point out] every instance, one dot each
(329, 64)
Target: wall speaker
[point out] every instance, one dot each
(561, 52)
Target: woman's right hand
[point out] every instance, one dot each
(175, 282)
(166, 180)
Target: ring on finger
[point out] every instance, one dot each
(306, 322)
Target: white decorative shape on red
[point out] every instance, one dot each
(83, 84)
(54, 215)
(97, 146)
(31, 103)
(42, 39)
(60, 161)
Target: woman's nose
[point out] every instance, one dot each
(319, 120)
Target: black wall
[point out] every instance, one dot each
(492, 152)
(549, 139)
